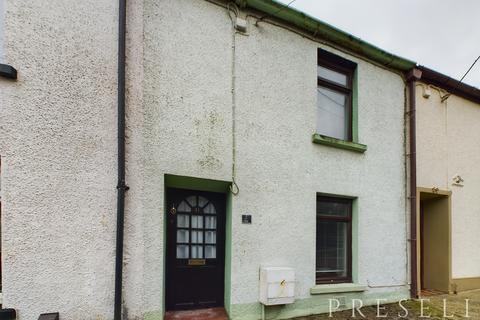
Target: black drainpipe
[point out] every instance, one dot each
(121, 186)
(413, 75)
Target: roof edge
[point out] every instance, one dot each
(451, 85)
(328, 32)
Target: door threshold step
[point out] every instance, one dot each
(197, 314)
(431, 292)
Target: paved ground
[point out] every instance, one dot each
(455, 306)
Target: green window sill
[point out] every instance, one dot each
(337, 143)
(337, 288)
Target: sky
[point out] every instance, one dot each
(443, 35)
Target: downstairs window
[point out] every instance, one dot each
(334, 240)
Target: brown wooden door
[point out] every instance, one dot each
(195, 249)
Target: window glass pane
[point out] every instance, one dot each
(331, 75)
(182, 236)
(330, 208)
(211, 237)
(182, 221)
(197, 236)
(210, 222)
(182, 251)
(197, 222)
(197, 252)
(332, 114)
(331, 249)
(209, 209)
(210, 252)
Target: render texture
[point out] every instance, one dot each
(279, 170)
(448, 147)
(58, 148)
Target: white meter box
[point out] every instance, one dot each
(277, 285)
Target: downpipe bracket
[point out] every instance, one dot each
(123, 186)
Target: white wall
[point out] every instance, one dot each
(448, 145)
(2, 13)
(188, 132)
(58, 147)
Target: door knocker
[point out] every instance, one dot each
(173, 211)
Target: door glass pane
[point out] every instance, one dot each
(211, 237)
(183, 207)
(202, 201)
(182, 251)
(210, 252)
(210, 222)
(182, 236)
(197, 236)
(331, 248)
(210, 209)
(331, 75)
(332, 114)
(192, 200)
(197, 222)
(182, 221)
(197, 252)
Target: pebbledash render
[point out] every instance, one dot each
(257, 139)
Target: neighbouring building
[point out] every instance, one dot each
(448, 180)
(258, 138)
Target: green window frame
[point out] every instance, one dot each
(346, 86)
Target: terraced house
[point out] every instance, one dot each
(448, 150)
(160, 156)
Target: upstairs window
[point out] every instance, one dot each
(334, 240)
(334, 96)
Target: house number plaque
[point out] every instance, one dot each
(196, 262)
(246, 218)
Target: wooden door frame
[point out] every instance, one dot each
(448, 195)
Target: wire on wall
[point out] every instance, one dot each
(233, 12)
(441, 92)
(275, 13)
